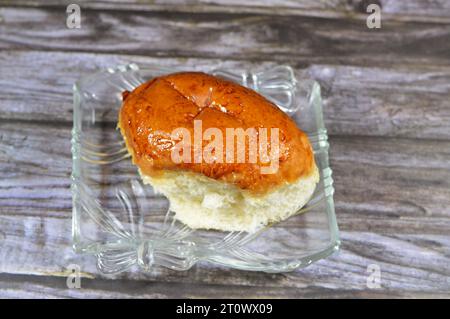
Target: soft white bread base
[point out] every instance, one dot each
(202, 202)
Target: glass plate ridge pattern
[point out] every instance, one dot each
(125, 223)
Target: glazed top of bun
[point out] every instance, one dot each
(151, 112)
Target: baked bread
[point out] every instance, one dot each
(234, 189)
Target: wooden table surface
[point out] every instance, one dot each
(387, 110)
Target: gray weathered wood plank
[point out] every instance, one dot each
(392, 201)
(412, 10)
(20, 286)
(227, 36)
(403, 101)
(371, 175)
(409, 264)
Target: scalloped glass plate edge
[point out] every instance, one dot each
(142, 253)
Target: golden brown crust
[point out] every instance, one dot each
(154, 109)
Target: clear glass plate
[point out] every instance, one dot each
(125, 224)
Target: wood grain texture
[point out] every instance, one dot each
(394, 213)
(402, 101)
(228, 36)
(412, 10)
(410, 264)
(386, 104)
(19, 286)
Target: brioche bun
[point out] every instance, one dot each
(219, 195)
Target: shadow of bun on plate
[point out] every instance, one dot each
(225, 157)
